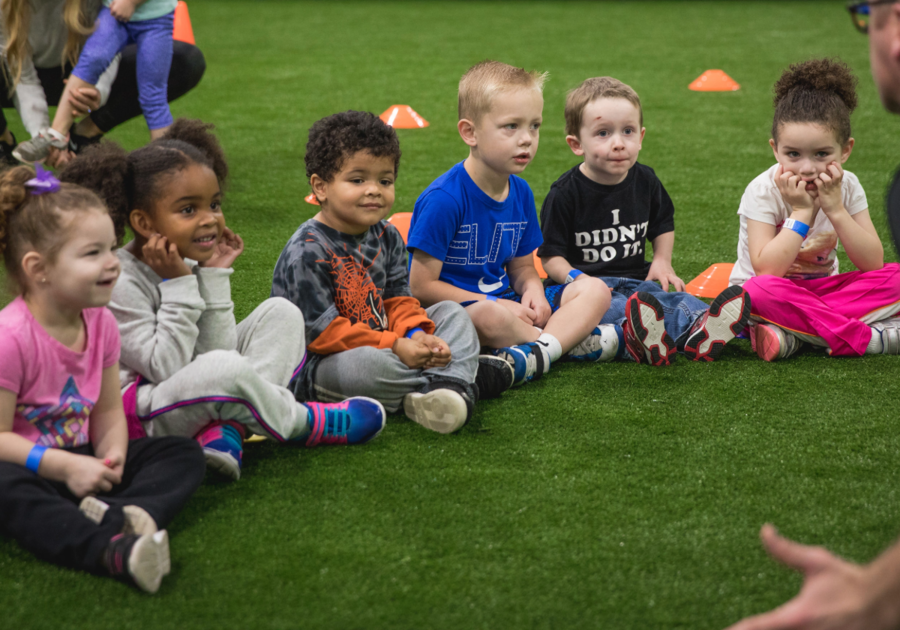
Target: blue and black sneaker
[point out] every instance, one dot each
(354, 421)
(529, 360)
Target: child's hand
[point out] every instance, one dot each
(537, 302)
(88, 475)
(663, 272)
(829, 187)
(163, 258)
(525, 313)
(415, 355)
(122, 10)
(114, 460)
(440, 351)
(229, 247)
(793, 189)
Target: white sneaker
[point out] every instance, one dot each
(889, 329)
(38, 148)
(137, 520)
(442, 410)
(601, 345)
(149, 561)
(772, 342)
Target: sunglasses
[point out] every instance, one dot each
(859, 13)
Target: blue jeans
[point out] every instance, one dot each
(681, 309)
(154, 59)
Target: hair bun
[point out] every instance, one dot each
(819, 75)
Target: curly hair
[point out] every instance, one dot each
(39, 223)
(333, 139)
(821, 91)
(136, 180)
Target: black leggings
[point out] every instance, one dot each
(160, 476)
(188, 66)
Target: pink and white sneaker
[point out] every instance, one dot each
(726, 318)
(772, 343)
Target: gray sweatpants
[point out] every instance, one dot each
(381, 375)
(247, 385)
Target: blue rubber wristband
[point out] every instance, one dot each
(573, 275)
(490, 298)
(35, 455)
(796, 226)
(413, 331)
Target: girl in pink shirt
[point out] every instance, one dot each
(63, 435)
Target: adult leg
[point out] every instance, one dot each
(154, 61)
(188, 66)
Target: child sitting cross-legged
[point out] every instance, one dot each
(596, 220)
(346, 270)
(73, 489)
(475, 228)
(188, 368)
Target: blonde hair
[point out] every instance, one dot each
(483, 81)
(592, 89)
(17, 20)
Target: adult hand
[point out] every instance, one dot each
(537, 302)
(663, 272)
(83, 100)
(88, 475)
(413, 354)
(525, 313)
(836, 594)
(828, 185)
(228, 248)
(163, 258)
(122, 10)
(440, 351)
(793, 189)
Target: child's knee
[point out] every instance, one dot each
(592, 293)
(490, 318)
(283, 311)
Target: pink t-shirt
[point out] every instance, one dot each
(55, 387)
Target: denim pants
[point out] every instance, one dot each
(154, 59)
(681, 309)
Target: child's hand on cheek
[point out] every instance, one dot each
(793, 190)
(829, 187)
(229, 247)
(163, 258)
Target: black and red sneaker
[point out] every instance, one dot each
(727, 317)
(646, 339)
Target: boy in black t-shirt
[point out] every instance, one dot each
(597, 219)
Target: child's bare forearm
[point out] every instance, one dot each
(663, 245)
(557, 268)
(433, 291)
(863, 248)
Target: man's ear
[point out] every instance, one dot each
(575, 144)
(318, 187)
(34, 266)
(142, 223)
(467, 131)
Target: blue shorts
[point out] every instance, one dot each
(553, 295)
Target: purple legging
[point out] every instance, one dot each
(154, 58)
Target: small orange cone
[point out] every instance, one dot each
(311, 198)
(538, 266)
(403, 117)
(183, 31)
(400, 220)
(711, 282)
(714, 81)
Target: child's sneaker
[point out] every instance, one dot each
(726, 318)
(137, 520)
(223, 447)
(601, 345)
(529, 361)
(139, 560)
(494, 376)
(888, 337)
(354, 421)
(646, 339)
(772, 343)
(38, 148)
(445, 408)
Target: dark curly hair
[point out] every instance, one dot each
(39, 223)
(135, 180)
(821, 91)
(335, 138)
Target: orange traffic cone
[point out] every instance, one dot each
(183, 31)
(714, 81)
(311, 198)
(403, 117)
(401, 220)
(711, 282)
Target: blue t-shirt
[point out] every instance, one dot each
(457, 222)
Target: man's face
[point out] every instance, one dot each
(884, 53)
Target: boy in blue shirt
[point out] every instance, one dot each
(474, 230)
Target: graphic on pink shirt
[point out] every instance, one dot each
(65, 424)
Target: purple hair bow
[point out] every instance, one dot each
(43, 183)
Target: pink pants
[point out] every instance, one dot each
(837, 309)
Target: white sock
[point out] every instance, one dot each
(876, 345)
(551, 343)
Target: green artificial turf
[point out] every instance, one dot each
(603, 496)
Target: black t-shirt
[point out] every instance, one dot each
(603, 230)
